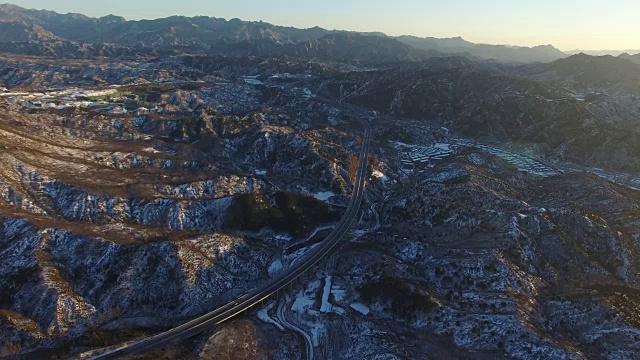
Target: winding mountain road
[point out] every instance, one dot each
(254, 297)
(285, 323)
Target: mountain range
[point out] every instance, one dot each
(42, 32)
(544, 53)
(603, 52)
(153, 171)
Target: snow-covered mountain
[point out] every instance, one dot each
(146, 182)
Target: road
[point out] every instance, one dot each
(254, 297)
(283, 321)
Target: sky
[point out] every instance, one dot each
(566, 24)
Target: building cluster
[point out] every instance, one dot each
(104, 100)
(417, 158)
(420, 157)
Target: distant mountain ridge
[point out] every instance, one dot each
(335, 46)
(603, 52)
(585, 72)
(633, 58)
(174, 30)
(361, 47)
(48, 33)
(543, 53)
(23, 27)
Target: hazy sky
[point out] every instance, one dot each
(567, 24)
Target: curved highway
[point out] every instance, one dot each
(254, 297)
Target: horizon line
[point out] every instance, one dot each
(565, 50)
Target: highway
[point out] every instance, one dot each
(254, 297)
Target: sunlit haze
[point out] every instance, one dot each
(566, 24)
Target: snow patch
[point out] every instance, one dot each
(306, 298)
(338, 294)
(326, 306)
(379, 175)
(151, 150)
(361, 308)
(317, 331)
(410, 251)
(283, 237)
(324, 196)
(252, 80)
(275, 268)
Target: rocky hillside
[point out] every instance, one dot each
(142, 186)
(198, 194)
(585, 72)
(463, 256)
(21, 31)
(355, 47)
(488, 101)
(508, 265)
